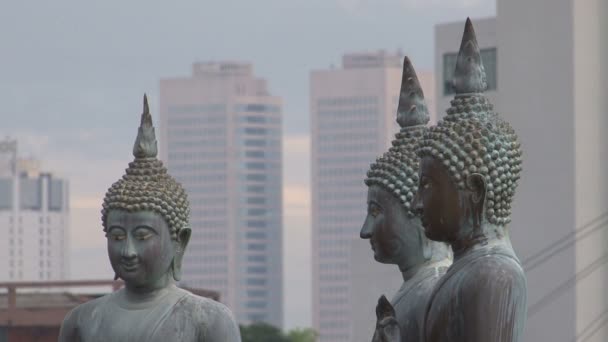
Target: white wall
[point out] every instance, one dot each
(591, 122)
(553, 88)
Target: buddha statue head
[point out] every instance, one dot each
(392, 226)
(145, 217)
(470, 161)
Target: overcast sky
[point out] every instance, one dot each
(72, 75)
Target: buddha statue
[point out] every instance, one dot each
(469, 169)
(393, 228)
(145, 219)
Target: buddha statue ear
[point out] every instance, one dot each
(476, 185)
(183, 237)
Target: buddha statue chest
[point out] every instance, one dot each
(108, 319)
(482, 297)
(411, 300)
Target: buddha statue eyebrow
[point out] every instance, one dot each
(146, 227)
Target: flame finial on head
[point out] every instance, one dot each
(146, 184)
(412, 110)
(145, 144)
(469, 75)
(397, 169)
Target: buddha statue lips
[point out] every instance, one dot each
(393, 227)
(145, 218)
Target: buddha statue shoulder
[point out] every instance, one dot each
(392, 226)
(469, 169)
(145, 218)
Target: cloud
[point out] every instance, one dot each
(349, 5)
(297, 231)
(441, 3)
(86, 202)
(296, 160)
(90, 263)
(85, 228)
(297, 263)
(296, 196)
(29, 144)
(367, 6)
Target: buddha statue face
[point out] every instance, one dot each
(471, 152)
(394, 230)
(395, 236)
(445, 209)
(141, 249)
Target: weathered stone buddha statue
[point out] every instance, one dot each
(470, 165)
(393, 228)
(145, 218)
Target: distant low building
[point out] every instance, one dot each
(29, 312)
(34, 220)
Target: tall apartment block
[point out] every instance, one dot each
(221, 138)
(353, 120)
(34, 220)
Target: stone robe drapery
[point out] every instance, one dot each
(481, 298)
(410, 301)
(177, 316)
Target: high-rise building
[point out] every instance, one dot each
(551, 85)
(34, 220)
(447, 44)
(353, 120)
(221, 138)
(369, 280)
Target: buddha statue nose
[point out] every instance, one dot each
(128, 250)
(366, 230)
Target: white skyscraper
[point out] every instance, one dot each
(353, 120)
(34, 220)
(221, 138)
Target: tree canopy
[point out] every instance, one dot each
(262, 332)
